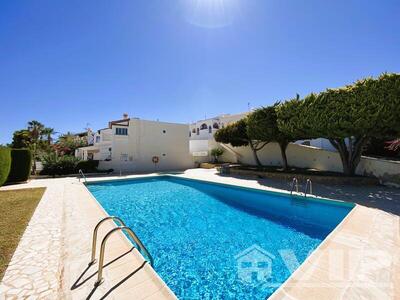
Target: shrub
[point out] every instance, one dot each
(58, 165)
(5, 164)
(88, 165)
(21, 163)
(381, 147)
(216, 152)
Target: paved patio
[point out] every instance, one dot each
(359, 259)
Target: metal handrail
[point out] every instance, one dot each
(308, 184)
(295, 182)
(83, 175)
(94, 237)
(103, 246)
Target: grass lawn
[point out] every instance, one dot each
(16, 209)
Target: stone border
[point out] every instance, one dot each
(303, 177)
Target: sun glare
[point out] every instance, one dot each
(210, 13)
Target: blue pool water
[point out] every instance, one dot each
(212, 241)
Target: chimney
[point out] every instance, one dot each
(125, 116)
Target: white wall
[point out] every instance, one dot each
(319, 143)
(310, 157)
(146, 139)
(388, 171)
(298, 155)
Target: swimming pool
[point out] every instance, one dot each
(214, 241)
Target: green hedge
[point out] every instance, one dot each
(88, 166)
(5, 164)
(21, 162)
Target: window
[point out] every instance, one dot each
(262, 264)
(121, 131)
(98, 139)
(215, 126)
(198, 131)
(164, 131)
(203, 126)
(190, 133)
(194, 130)
(124, 157)
(209, 129)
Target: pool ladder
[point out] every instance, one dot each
(82, 176)
(121, 227)
(295, 184)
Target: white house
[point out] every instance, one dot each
(254, 264)
(135, 145)
(318, 143)
(100, 147)
(202, 140)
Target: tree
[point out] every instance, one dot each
(21, 139)
(35, 129)
(69, 142)
(262, 126)
(48, 133)
(236, 135)
(347, 116)
(217, 152)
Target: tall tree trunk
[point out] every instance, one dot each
(34, 160)
(283, 146)
(349, 154)
(254, 150)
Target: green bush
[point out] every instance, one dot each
(21, 163)
(5, 164)
(88, 166)
(58, 165)
(216, 152)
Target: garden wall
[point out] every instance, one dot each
(302, 156)
(388, 171)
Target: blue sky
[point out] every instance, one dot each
(69, 63)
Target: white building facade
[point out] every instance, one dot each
(135, 145)
(201, 134)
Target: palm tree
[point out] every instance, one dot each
(35, 129)
(48, 132)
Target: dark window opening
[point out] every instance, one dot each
(121, 131)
